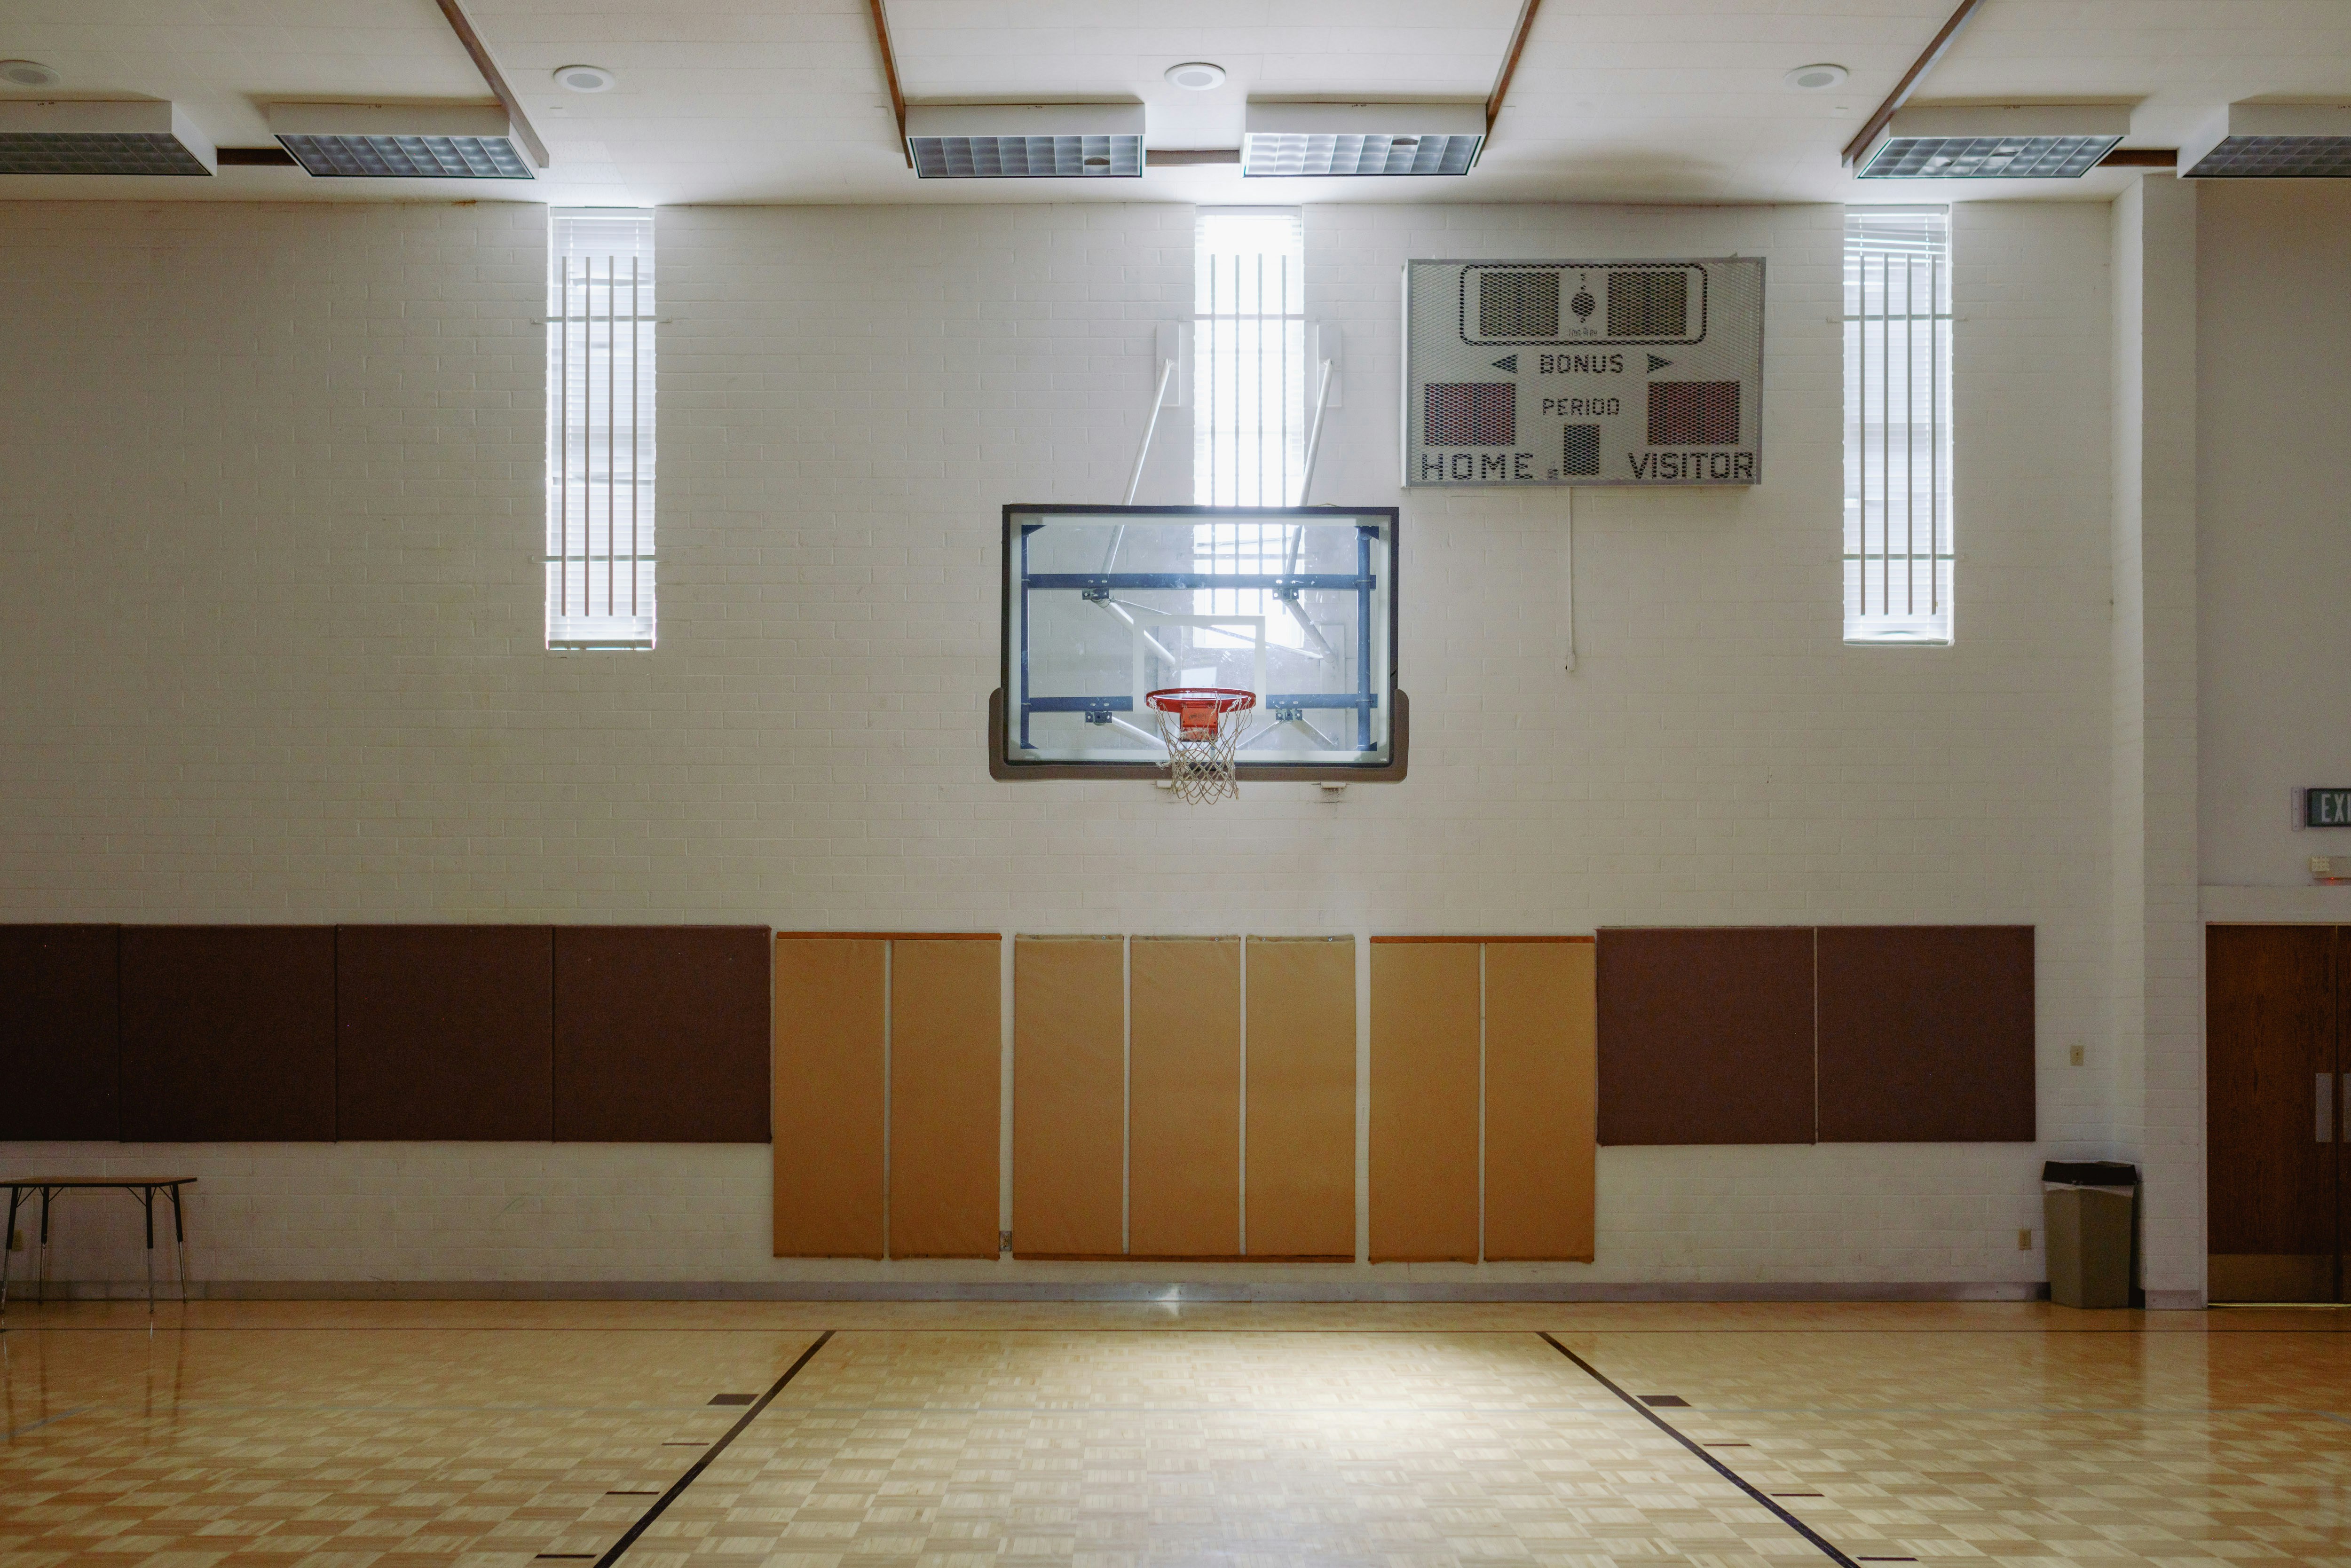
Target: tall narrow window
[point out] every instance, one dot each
(600, 428)
(1898, 424)
(1249, 370)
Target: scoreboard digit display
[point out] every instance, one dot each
(1583, 372)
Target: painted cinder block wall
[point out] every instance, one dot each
(274, 509)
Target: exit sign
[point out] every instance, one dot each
(2327, 807)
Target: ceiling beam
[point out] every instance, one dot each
(464, 27)
(1510, 67)
(1910, 79)
(890, 72)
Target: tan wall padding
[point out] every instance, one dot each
(945, 1063)
(1424, 1141)
(1068, 1095)
(1540, 1095)
(828, 1098)
(1183, 1118)
(1301, 1097)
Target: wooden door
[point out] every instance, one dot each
(2273, 997)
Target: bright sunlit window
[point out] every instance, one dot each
(600, 429)
(1899, 554)
(1248, 367)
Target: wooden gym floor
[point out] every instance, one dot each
(352, 1435)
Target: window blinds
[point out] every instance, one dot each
(1898, 553)
(1248, 373)
(600, 429)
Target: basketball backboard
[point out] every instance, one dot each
(1105, 604)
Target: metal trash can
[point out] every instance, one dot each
(2088, 1207)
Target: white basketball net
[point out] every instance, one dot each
(1202, 738)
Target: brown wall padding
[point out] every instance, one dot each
(1424, 1137)
(1538, 1101)
(1068, 1095)
(1301, 1097)
(661, 1034)
(229, 1033)
(828, 1098)
(1184, 1116)
(61, 1027)
(1925, 1034)
(444, 1031)
(1705, 1035)
(946, 1057)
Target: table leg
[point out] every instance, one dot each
(8, 1240)
(147, 1202)
(46, 1193)
(179, 1248)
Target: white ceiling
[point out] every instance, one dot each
(783, 100)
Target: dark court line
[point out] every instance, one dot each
(677, 1488)
(35, 1426)
(1725, 1471)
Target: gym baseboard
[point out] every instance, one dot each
(1061, 1291)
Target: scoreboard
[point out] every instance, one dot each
(1583, 372)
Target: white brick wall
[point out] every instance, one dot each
(273, 505)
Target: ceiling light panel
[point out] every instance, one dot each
(102, 137)
(393, 142)
(1033, 141)
(2042, 142)
(1289, 140)
(2271, 141)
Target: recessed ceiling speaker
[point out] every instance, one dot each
(400, 142)
(147, 137)
(1197, 76)
(1816, 79)
(2039, 141)
(583, 78)
(28, 73)
(1025, 141)
(1290, 141)
(2271, 141)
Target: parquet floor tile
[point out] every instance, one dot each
(492, 1434)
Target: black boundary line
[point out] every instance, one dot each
(1725, 1471)
(677, 1488)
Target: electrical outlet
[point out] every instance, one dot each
(2075, 1053)
(2025, 1241)
(1003, 1242)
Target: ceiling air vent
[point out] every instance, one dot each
(1025, 141)
(400, 142)
(85, 138)
(2039, 141)
(2271, 141)
(1286, 140)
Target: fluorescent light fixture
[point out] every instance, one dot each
(1025, 141)
(2271, 141)
(2038, 141)
(102, 137)
(1290, 140)
(400, 142)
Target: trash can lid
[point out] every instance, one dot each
(2090, 1172)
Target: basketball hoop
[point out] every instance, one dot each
(1202, 726)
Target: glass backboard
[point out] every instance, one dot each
(1295, 605)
